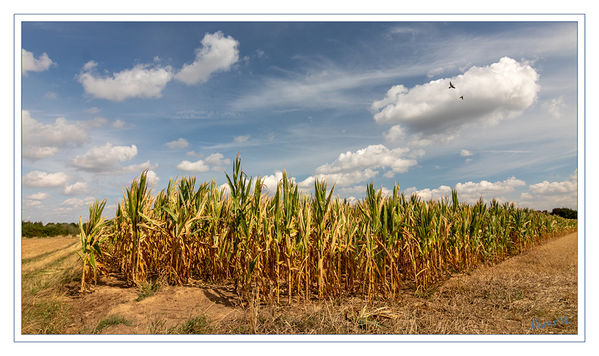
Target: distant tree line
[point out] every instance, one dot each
(38, 229)
(565, 213)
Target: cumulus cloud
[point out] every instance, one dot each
(491, 93)
(38, 196)
(75, 188)
(547, 195)
(214, 162)
(44, 140)
(31, 64)
(359, 189)
(177, 144)
(152, 177)
(105, 158)
(139, 167)
(44, 179)
(36, 152)
(339, 179)
(465, 153)
(117, 124)
(270, 182)
(470, 192)
(545, 187)
(197, 166)
(218, 53)
(217, 160)
(141, 81)
(554, 106)
(78, 203)
(354, 167)
(32, 203)
(394, 133)
(371, 157)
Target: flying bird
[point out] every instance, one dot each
(451, 86)
(462, 97)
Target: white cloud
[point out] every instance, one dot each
(218, 53)
(217, 160)
(197, 166)
(117, 124)
(270, 182)
(35, 152)
(139, 167)
(359, 189)
(91, 65)
(545, 187)
(43, 140)
(465, 153)
(194, 154)
(105, 158)
(339, 179)
(241, 139)
(554, 106)
(470, 192)
(75, 188)
(32, 203)
(152, 177)
(141, 81)
(491, 93)
(548, 195)
(394, 133)
(354, 167)
(78, 203)
(373, 156)
(31, 64)
(177, 144)
(43, 179)
(38, 196)
(226, 187)
(214, 162)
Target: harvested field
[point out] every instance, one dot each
(37, 246)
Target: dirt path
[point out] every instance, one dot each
(540, 284)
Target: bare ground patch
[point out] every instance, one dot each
(163, 312)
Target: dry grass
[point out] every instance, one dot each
(36, 246)
(46, 288)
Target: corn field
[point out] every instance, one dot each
(293, 246)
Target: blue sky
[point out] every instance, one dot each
(350, 102)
